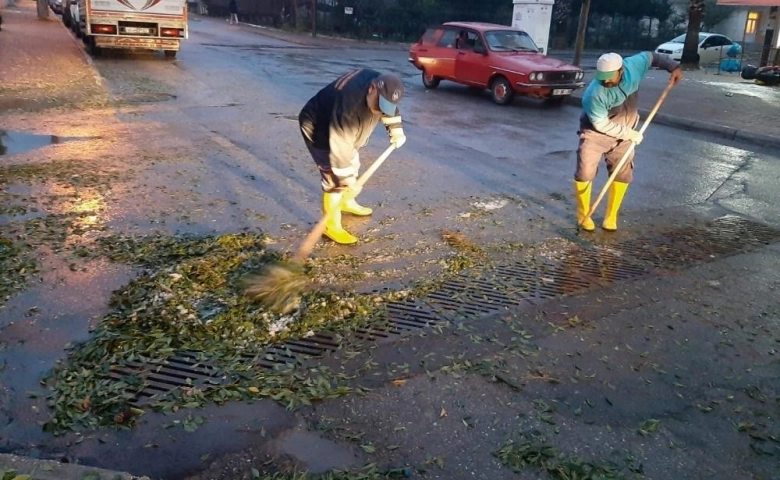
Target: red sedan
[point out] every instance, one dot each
(503, 59)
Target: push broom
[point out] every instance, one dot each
(280, 286)
(623, 160)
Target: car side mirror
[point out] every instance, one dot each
(479, 48)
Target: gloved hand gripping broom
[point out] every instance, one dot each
(280, 286)
(622, 161)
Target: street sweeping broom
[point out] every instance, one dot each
(280, 286)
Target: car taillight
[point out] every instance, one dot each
(107, 29)
(170, 32)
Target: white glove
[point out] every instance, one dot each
(395, 130)
(397, 137)
(635, 136)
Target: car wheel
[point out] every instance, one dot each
(170, 54)
(429, 81)
(501, 91)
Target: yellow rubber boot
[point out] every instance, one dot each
(349, 205)
(331, 204)
(616, 193)
(582, 193)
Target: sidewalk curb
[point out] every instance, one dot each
(280, 34)
(83, 53)
(728, 133)
(40, 469)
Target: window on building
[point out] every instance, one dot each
(752, 23)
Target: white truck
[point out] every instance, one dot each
(133, 24)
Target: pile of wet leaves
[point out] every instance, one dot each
(369, 472)
(15, 265)
(188, 298)
(32, 217)
(533, 452)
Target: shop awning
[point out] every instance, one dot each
(750, 3)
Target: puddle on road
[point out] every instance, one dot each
(12, 143)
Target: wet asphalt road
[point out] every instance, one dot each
(247, 89)
(236, 96)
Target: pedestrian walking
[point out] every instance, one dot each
(233, 6)
(608, 126)
(335, 124)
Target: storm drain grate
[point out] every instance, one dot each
(536, 283)
(724, 236)
(469, 296)
(181, 370)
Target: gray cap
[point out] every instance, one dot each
(390, 89)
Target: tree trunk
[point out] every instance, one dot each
(43, 9)
(295, 19)
(313, 18)
(690, 56)
(581, 31)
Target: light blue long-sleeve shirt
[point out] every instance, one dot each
(614, 111)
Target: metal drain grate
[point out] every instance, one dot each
(540, 282)
(182, 370)
(504, 287)
(724, 236)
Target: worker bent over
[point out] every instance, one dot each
(335, 124)
(608, 126)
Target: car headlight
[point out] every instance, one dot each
(678, 50)
(537, 76)
(579, 75)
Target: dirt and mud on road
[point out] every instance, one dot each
(470, 334)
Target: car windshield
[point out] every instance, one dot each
(510, 40)
(681, 38)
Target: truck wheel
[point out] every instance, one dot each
(501, 91)
(429, 81)
(93, 49)
(170, 54)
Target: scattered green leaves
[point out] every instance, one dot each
(649, 426)
(533, 452)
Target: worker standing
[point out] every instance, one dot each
(335, 124)
(608, 126)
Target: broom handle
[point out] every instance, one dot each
(630, 149)
(311, 239)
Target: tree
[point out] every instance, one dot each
(43, 9)
(581, 32)
(715, 14)
(690, 55)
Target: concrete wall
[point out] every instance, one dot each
(734, 26)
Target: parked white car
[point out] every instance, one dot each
(56, 6)
(712, 47)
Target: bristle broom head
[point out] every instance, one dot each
(279, 287)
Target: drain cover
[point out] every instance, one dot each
(471, 297)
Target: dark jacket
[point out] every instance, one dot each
(338, 119)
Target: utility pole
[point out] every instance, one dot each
(43, 9)
(313, 18)
(582, 29)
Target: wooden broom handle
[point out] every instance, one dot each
(630, 149)
(316, 233)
